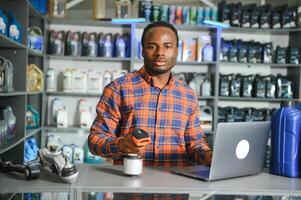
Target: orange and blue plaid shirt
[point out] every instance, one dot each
(170, 116)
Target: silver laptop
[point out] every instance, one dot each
(239, 150)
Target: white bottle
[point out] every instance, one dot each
(206, 88)
(95, 82)
(107, 78)
(67, 83)
(51, 80)
(62, 119)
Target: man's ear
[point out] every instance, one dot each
(142, 52)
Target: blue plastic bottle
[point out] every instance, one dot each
(285, 142)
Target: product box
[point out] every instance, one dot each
(189, 50)
(202, 41)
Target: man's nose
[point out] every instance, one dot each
(160, 50)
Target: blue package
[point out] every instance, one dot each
(127, 39)
(3, 23)
(119, 46)
(14, 28)
(43, 7)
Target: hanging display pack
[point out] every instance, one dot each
(6, 75)
(35, 79)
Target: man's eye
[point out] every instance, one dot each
(151, 47)
(168, 46)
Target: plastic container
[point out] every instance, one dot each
(285, 142)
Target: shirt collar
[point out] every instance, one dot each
(150, 80)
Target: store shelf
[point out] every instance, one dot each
(33, 12)
(185, 27)
(31, 132)
(86, 58)
(6, 42)
(259, 64)
(71, 129)
(255, 99)
(10, 144)
(86, 22)
(80, 94)
(206, 97)
(34, 93)
(261, 30)
(32, 52)
(185, 63)
(10, 94)
(208, 132)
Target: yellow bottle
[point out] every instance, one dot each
(35, 79)
(99, 9)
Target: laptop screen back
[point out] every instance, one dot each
(239, 149)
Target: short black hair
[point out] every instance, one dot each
(158, 24)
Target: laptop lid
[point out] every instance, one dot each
(239, 149)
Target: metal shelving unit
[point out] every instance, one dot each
(86, 58)
(78, 94)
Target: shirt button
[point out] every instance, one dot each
(157, 146)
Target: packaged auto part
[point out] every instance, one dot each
(242, 48)
(247, 85)
(32, 117)
(225, 49)
(265, 16)
(67, 82)
(221, 116)
(259, 86)
(224, 12)
(35, 39)
(246, 15)
(281, 55)
(293, 13)
(225, 80)
(285, 17)
(276, 17)
(85, 114)
(233, 57)
(181, 77)
(179, 15)
(270, 86)
(293, 55)
(57, 8)
(248, 114)
(267, 51)
(252, 52)
(235, 14)
(230, 114)
(56, 105)
(127, 40)
(258, 115)
(254, 15)
(208, 53)
(206, 118)
(57, 43)
(6, 75)
(284, 87)
(145, 7)
(31, 150)
(235, 85)
(258, 54)
(73, 44)
(239, 115)
(200, 15)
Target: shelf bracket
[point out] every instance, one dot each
(208, 3)
(72, 3)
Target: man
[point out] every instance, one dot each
(153, 100)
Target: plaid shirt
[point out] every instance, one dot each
(169, 115)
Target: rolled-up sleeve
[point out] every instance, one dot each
(103, 140)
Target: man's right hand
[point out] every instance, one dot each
(127, 146)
